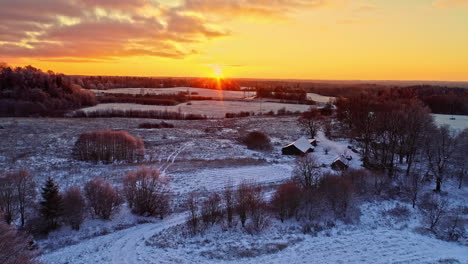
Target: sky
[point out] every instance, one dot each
(281, 39)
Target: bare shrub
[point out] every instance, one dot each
(212, 210)
(14, 246)
(229, 202)
(242, 201)
(74, 207)
(453, 225)
(108, 146)
(307, 171)
(257, 140)
(192, 205)
(433, 207)
(399, 212)
(156, 125)
(338, 192)
(257, 208)
(147, 192)
(286, 200)
(103, 198)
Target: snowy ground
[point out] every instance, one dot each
(215, 109)
(215, 94)
(377, 239)
(457, 122)
(205, 156)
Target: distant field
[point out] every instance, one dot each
(214, 109)
(459, 123)
(215, 94)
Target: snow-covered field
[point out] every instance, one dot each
(375, 240)
(205, 156)
(215, 94)
(319, 98)
(214, 109)
(458, 122)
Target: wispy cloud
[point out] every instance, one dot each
(450, 3)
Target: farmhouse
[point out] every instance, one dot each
(339, 164)
(298, 147)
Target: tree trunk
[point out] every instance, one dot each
(438, 184)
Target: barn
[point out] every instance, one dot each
(339, 164)
(298, 147)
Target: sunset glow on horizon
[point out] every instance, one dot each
(295, 39)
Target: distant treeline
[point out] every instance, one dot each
(31, 92)
(112, 82)
(155, 114)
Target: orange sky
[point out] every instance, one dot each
(294, 39)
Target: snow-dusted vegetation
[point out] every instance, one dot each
(374, 186)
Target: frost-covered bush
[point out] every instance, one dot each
(108, 146)
(399, 212)
(257, 140)
(147, 192)
(103, 198)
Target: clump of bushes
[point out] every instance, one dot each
(156, 125)
(108, 146)
(257, 140)
(241, 114)
(156, 114)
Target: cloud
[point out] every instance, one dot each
(450, 3)
(267, 8)
(99, 29)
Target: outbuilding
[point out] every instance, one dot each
(339, 164)
(298, 147)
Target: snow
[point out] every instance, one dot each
(319, 98)
(371, 241)
(460, 122)
(216, 109)
(215, 94)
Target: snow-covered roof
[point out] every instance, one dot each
(302, 144)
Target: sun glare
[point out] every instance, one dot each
(217, 72)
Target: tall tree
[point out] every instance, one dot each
(439, 151)
(25, 189)
(51, 205)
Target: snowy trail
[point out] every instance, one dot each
(125, 246)
(171, 158)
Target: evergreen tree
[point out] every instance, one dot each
(51, 204)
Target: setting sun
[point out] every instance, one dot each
(217, 71)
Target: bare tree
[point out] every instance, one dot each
(102, 197)
(311, 122)
(439, 151)
(147, 192)
(8, 201)
(14, 246)
(306, 171)
(74, 207)
(193, 207)
(461, 157)
(25, 189)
